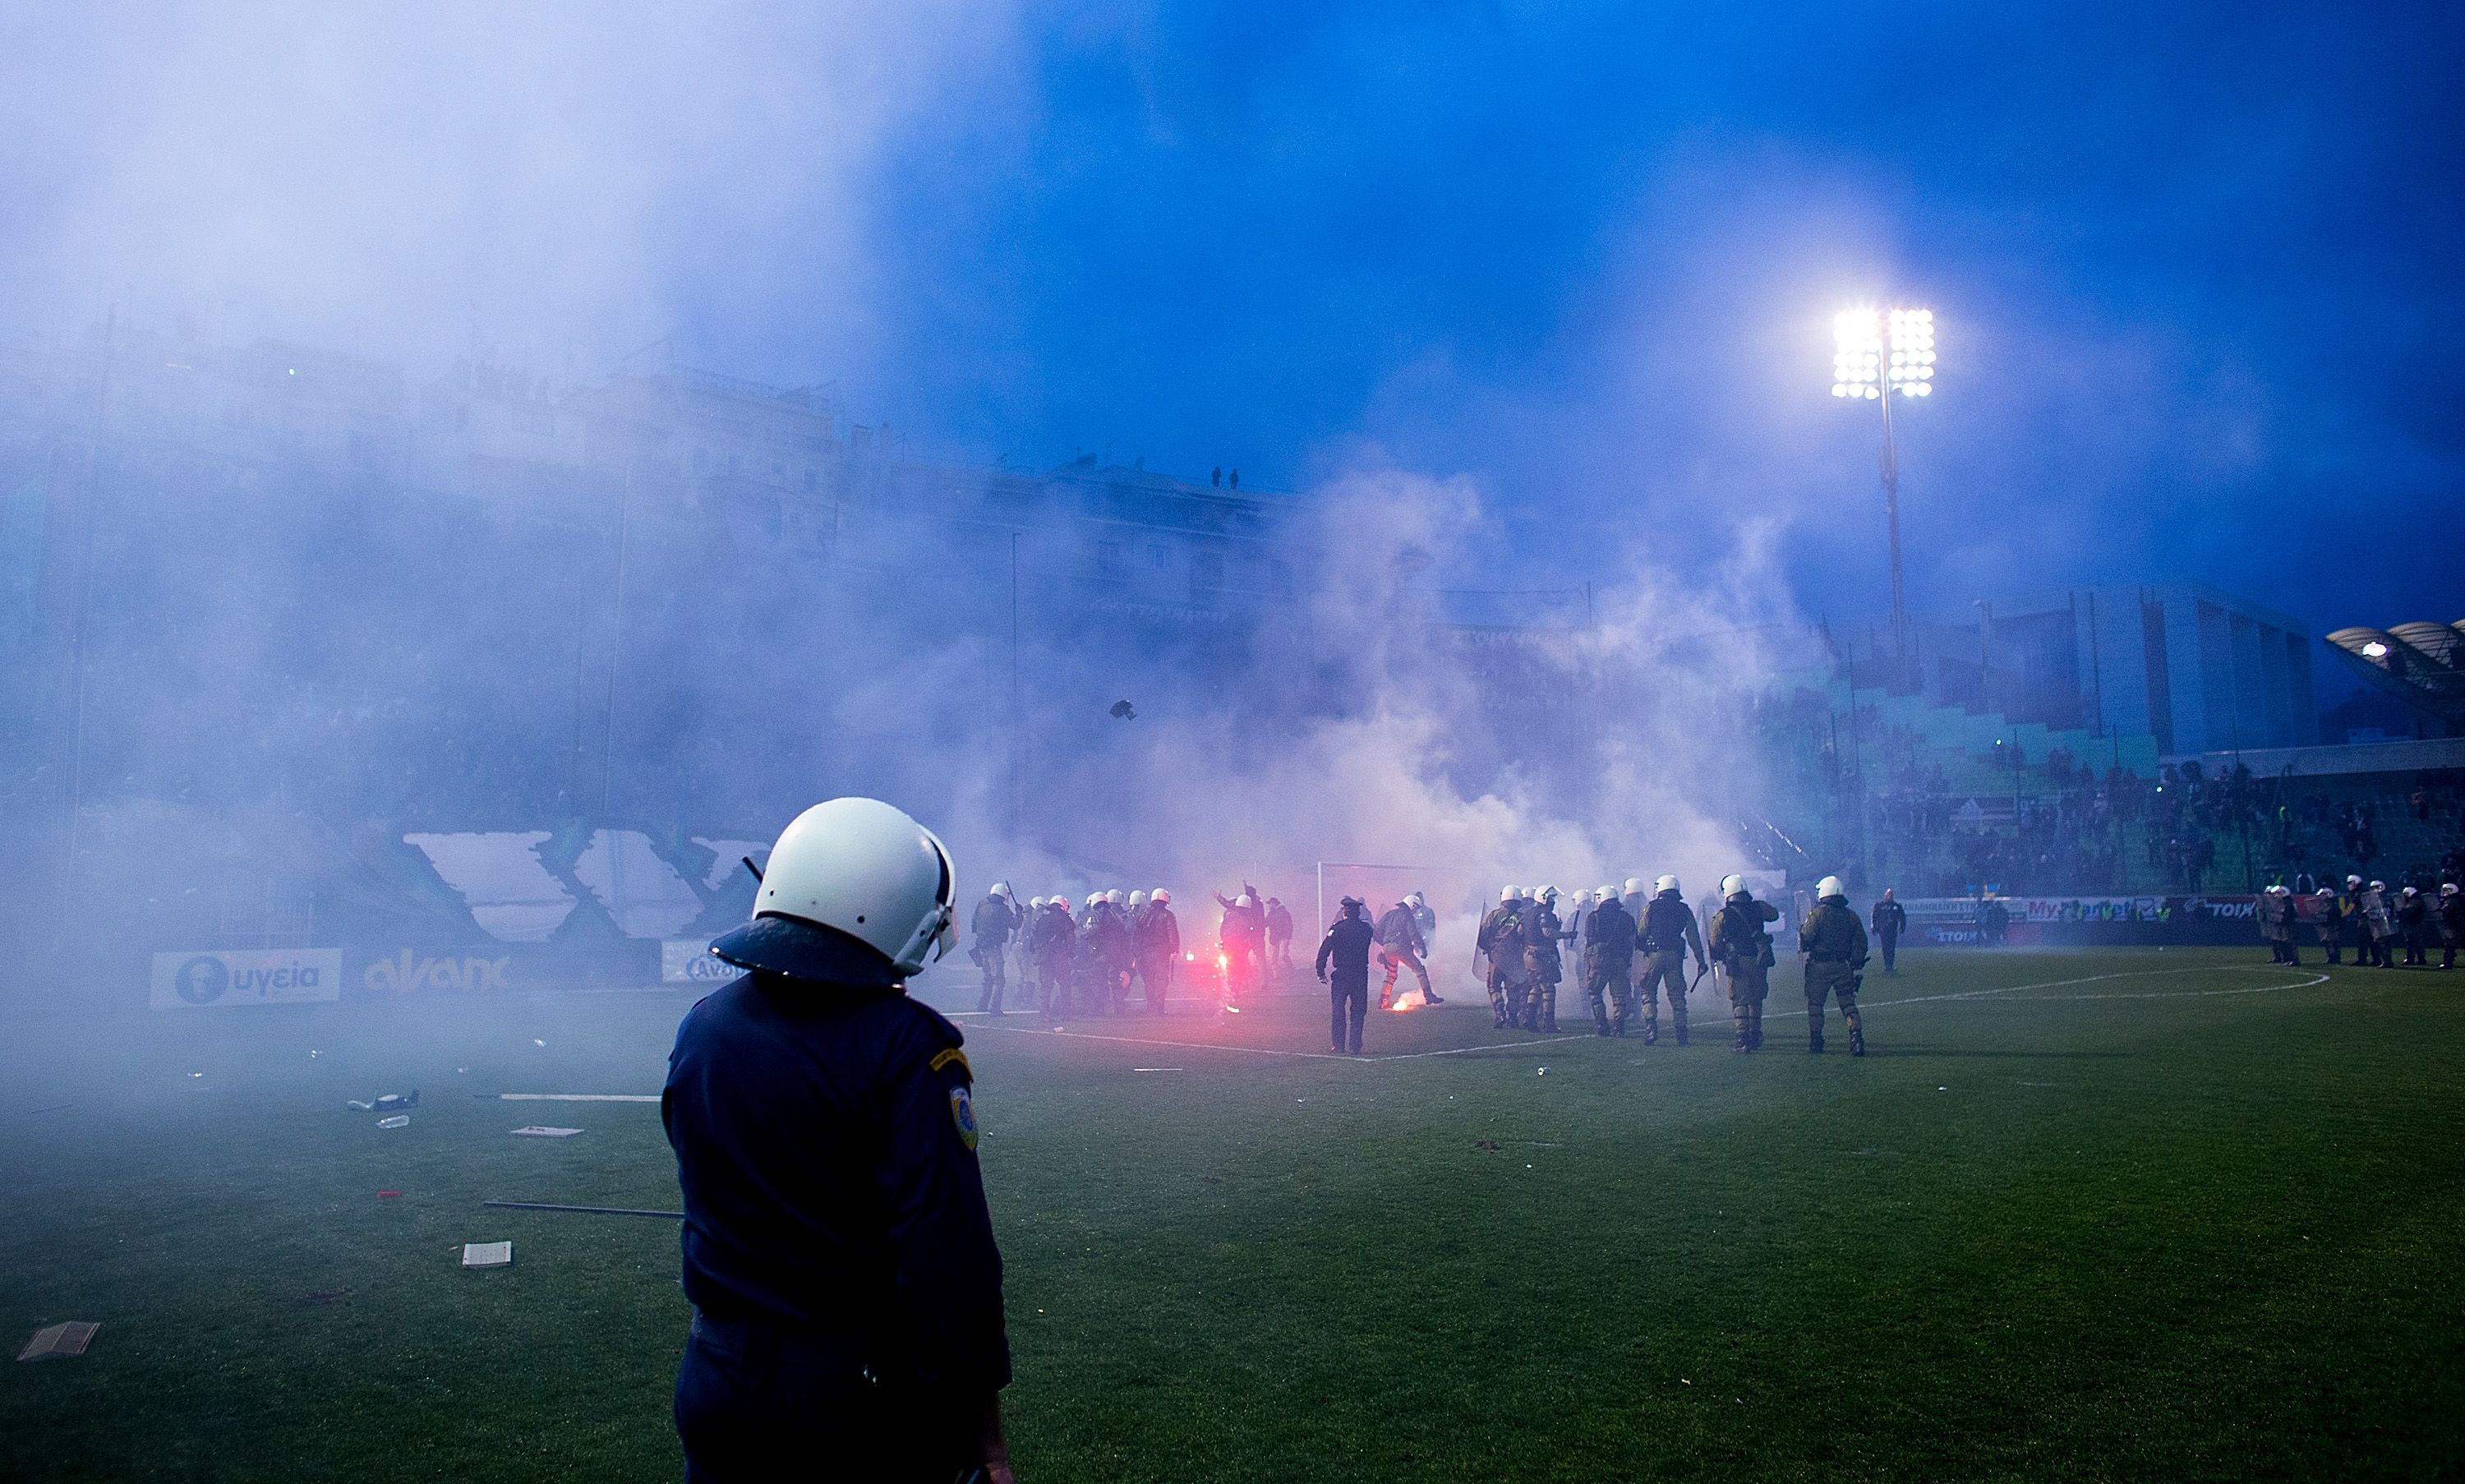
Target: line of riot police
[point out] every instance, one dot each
(1524, 943)
(1085, 959)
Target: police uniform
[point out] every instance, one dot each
(2330, 923)
(2451, 924)
(1608, 964)
(1544, 966)
(1743, 950)
(1835, 944)
(1159, 950)
(1343, 967)
(1400, 946)
(1891, 921)
(837, 1250)
(1501, 937)
(1666, 933)
(1056, 953)
(994, 921)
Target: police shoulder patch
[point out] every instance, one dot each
(963, 1113)
(943, 1058)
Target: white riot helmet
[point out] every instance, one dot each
(1665, 884)
(1830, 886)
(856, 894)
(1732, 884)
(1117, 896)
(1095, 900)
(1635, 886)
(2447, 888)
(1001, 889)
(1524, 895)
(1607, 892)
(1548, 894)
(1035, 903)
(1506, 894)
(1245, 899)
(1413, 900)
(2353, 882)
(2379, 886)
(1161, 898)
(1138, 898)
(2411, 891)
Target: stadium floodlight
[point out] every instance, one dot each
(1874, 354)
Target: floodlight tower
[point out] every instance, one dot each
(1873, 356)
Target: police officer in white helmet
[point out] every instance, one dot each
(838, 1255)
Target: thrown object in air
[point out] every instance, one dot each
(538, 1131)
(398, 1120)
(358, 1106)
(1126, 711)
(487, 1255)
(390, 1101)
(58, 1341)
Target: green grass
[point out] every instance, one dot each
(2124, 1228)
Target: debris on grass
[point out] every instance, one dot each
(358, 1106)
(487, 1255)
(1543, 1073)
(320, 1296)
(536, 1041)
(389, 1195)
(386, 1103)
(398, 1120)
(1484, 1144)
(538, 1131)
(60, 1342)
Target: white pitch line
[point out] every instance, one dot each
(2094, 978)
(1274, 1051)
(577, 1097)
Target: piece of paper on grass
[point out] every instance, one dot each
(487, 1255)
(59, 1341)
(537, 1131)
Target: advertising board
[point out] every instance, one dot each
(212, 978)
(687, 960)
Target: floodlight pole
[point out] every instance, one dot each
(1890, 463)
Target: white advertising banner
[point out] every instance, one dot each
(687, 960)
(246, 976)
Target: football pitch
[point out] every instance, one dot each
(2115, 1215)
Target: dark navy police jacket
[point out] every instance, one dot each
(826, 1141)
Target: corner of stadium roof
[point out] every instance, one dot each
(2421, 664)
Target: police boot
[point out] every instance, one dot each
(1746, 1036)
(1814, 1041)
(1856, 1033)
(1619, 1025)
(1755, 1022)
(1652, 1028)
(1600, 1025)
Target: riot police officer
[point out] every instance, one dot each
(1835, 944)
(1666, 932)
(1743, 950)
(996, 918)
(838, 1255)
(1501, 938)
(1345, 953)
(1608, 962)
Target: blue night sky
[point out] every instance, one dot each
(2197, 268)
